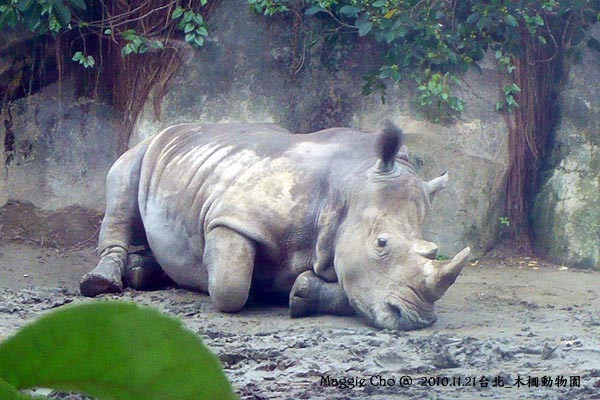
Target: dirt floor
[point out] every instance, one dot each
(510, 320)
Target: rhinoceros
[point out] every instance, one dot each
(332, 218)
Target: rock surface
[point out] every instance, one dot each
(252, 71)
(55, 149)
(567, 209)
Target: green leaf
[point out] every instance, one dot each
(198, 19)
(188, 27)
(178, 12)
(189, 37)
(9, 392)
(127, 49)
(24, 5)
(482, 23)
(157, 44)
(313, 10)
(187, 16)
(80, 4)
(112, 350)
(510, 20)
(199, 41)
(32, 21)
(473, 18)
(77, 56)
(202, 31)
(379, 3)
(364, 28)
(350, 11)
(63, 14)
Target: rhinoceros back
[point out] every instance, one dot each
(256, 179)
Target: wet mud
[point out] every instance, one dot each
(500, 324)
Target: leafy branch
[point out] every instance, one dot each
(432, 41)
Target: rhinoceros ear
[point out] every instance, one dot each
(388, 144)
(436, 184)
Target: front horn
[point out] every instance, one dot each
(442, 274)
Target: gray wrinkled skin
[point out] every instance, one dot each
(324, 217)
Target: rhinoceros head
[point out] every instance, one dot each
(387, 270)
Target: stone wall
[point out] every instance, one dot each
(56, 149)
(248, 71)
(566, 217)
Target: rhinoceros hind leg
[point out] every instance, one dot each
(313, 295)
(229, 260)
(107, 276)
(143, 272)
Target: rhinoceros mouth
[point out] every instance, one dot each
(407, 318)
(410, 310)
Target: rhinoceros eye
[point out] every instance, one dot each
(381, 242)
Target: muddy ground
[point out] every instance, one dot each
(505, 319)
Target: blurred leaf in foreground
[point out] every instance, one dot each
(111, 350)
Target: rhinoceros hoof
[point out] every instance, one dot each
(93, 284)
(105, 278)
(304, 296)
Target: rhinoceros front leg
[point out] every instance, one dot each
(229, 261)
(121, 224)
(107, 276)
(117, 268)
(313, 295)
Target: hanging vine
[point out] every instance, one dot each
(135, 46)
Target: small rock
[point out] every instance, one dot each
(445, 360)
(547, 351)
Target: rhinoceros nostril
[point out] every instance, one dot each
(395, 309)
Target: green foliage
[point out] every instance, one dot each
(136, 43)
(434, 98)
(40, 16)
(504, 221)
(431, 41)
(86, 61)
(508, 103)
(111, 350)
(57, 16)
(268, 7)
(192, 24)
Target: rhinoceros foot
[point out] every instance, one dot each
(105, 278)
(143, 272)
(304, 296)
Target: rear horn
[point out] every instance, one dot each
(388, 144)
